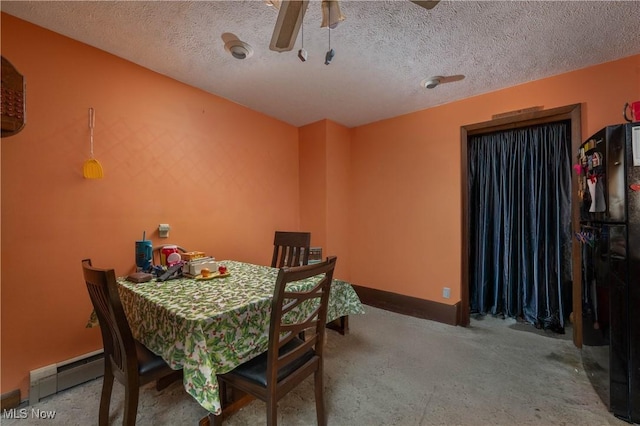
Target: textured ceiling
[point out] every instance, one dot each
(383, 48)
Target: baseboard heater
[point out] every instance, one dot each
(63, 375)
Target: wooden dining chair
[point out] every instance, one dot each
(288, 360)
(125, 358)
(290, 249)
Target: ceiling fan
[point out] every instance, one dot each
(291, 14)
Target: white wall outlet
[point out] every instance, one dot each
(446, 292)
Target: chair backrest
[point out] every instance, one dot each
(290, 249)
(119, 345)
(290, 315)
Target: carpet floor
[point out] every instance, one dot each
(392, 369)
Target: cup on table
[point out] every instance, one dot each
(144, 254)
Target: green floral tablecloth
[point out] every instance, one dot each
(210, 327)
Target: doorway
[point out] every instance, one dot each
(569, 114)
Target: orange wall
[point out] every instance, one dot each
(405, 207)
(224, 177)
(313, 182)
(324, 189)
(338, 194)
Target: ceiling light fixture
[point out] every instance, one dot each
(431, 82)
(238, 48)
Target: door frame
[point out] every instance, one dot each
(569, 112)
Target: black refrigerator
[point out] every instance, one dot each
(608, 166)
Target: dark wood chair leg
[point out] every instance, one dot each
(215, 420)
(131, 394)
(322, 420)
(105, 398)
(272, 412)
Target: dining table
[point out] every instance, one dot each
(210, 326)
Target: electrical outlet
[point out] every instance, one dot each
(446, 292)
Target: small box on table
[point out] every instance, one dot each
(192, 255)
(193, 267)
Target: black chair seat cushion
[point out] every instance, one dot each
(255, 369)
(148, 362)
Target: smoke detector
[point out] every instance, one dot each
(238, 49)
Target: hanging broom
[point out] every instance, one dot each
(92, 168)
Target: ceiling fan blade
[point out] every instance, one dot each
(288, 24)
(426, 4)
(331, 14)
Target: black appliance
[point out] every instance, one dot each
(609, 194)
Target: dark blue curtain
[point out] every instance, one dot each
(520, 230)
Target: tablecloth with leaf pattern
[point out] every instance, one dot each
(207, 327)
